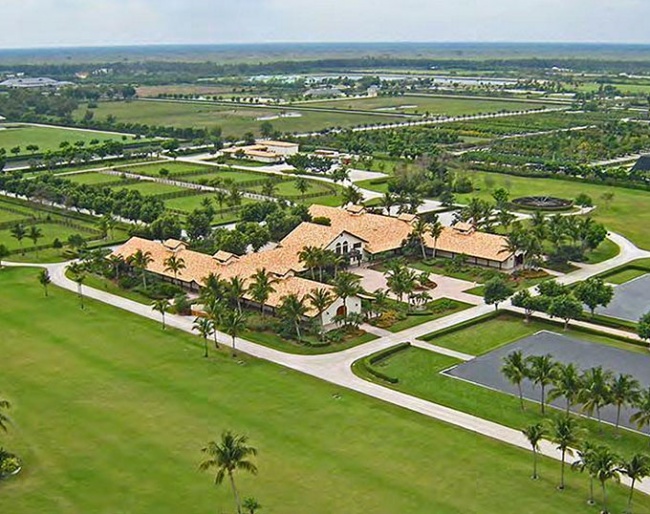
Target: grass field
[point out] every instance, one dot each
(234, 120)
(148, 188)
(47, 138)
(113, 413)
(189, 203)
(92, 178)
(435, 105)
(153, 169)
(622, 215)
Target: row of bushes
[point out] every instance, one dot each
(367, 363)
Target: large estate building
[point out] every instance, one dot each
(269, 152)
(351, 232)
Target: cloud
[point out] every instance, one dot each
(33, 23)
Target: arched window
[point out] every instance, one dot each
(346, 247)
(338, 248)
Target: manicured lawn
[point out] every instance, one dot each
(6, 216)
(236, 176)
(153, 169)
(47, 138)
(51, 231)
(189, 203)
(625, 275)
(234, 120)
(605, 251)
(111, 400)
(278, 342)
(420, 104)
(622, 215)
(148, 188)
(288, 188)
(413, 320)
(92, 178)
(504, 329)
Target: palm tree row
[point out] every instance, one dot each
(319, 259)
(593, 389)
(598, 461)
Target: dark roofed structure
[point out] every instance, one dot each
(643, 164)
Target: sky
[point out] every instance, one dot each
(52, 23)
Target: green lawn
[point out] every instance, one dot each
(189, 203)
(111, 401)
(148, 188)
(92, 178)
(625, 275)
(51, 231)
(47, 138)
(236, 176)
(622, 215)
(234, 120)
(6, 216)
(153, 169)
(413, 320)
(605, 251)
(436, 105)
(278, 342)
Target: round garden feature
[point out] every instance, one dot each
(543, 203)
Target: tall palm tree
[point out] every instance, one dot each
(214, 308)
(78, 272)
(174, 265)
(351, 195)
(606, 468)
(636, 469)
(44, 279)
(234, 324)
(387, 201)
(585, 462)
(204, 327)
(116, 262)
(543, 371)
(641, 418)
(236, 288)
(418, 233)
(320, 299)
(435, 231)
(232, 453)
(568, 385)
(515, 369)
(261, 287)
(19, 232)
(596, 390)
(309, 256)
(141, 260)
(565, 433)
(213, 286)
(161, 306)
(293, 310)
(4, 419)
(624, 390)
(220, 196)
(346, 285)
(34, 234)
(535, 433)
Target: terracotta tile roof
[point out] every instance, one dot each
(301, 287)
(475, 244)
(224, 257)
(382, 233)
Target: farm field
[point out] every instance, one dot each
(432, 104)
(113, 385)
(47, 138)
(92, 178)
(234, 120)
(153, 169)
(189, 203)
(51, 231)
(622, 215)
(236, 176)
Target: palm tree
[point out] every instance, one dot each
(642, 416)
(636, 469)
(346, 285)
(564, 433)
(596, 390)
(252, 505)
(214, 309)
(543, 371)
(535, 433)
(236, 289)
(161, 306)
(230, 454)
(141, 260)
(310, 256)
(606, 468)
(78, 272)
(213, 286)
(19, 232)
(293, 310)
(34, 234)
(435, 231)
(624, 390)
(261, 287)
(234, 324)
(387, 201)
(419, 231)
(204, 327)
(44, 279)
(351, 195)
(220, 196)
(568, 385)
(320, 299)
(515, 369)
(116, 262)
(302, 185)
(174, 265)
(4, 419)
(585, 462)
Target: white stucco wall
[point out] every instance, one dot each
(343, 238)
(353, 304)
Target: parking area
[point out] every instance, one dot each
(486, 370)
(631, 300)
